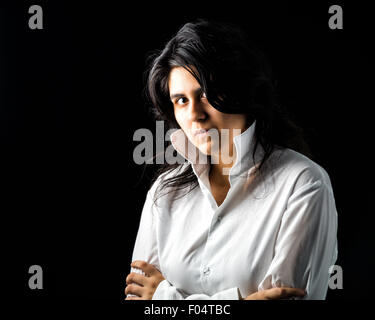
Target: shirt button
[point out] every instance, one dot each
(206, 271)
(218, 218)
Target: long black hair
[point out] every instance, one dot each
(236, 78)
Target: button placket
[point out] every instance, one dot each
(206, 269)
(207, 194)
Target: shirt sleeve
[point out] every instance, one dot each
(166, 291)
(145, 249)
(306, 244)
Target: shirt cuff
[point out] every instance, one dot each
(229, 294)
(158, 294)
(164, 292)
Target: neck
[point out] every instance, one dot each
(219, 170)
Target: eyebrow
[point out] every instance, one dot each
(179, 95)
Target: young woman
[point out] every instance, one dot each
(258, 219)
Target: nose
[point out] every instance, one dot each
(196, 111)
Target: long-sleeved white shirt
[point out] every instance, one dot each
(278, 229)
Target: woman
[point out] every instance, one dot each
(255, 221)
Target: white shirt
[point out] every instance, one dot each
(279, 230)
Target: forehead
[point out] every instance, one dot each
(180, 80)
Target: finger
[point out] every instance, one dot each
(147, 268)
(284, 292)
(134, 289)
(133, 298)
(296, 292)
(136, 278)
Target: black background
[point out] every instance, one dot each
(71, 99)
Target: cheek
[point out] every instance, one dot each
(180, 119)
(216, 117)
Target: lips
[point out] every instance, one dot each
(200, 132)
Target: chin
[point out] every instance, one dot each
(205, 148)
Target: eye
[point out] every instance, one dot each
(181, 101)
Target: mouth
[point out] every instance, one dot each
(200, 133)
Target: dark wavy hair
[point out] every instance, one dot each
(236, 78)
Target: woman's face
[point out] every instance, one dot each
(196, 116)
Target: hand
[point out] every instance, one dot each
(146, 284)
(278, 293)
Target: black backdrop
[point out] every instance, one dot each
(71, 99)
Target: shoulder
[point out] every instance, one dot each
(298, 170)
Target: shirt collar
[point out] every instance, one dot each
(244, 147)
